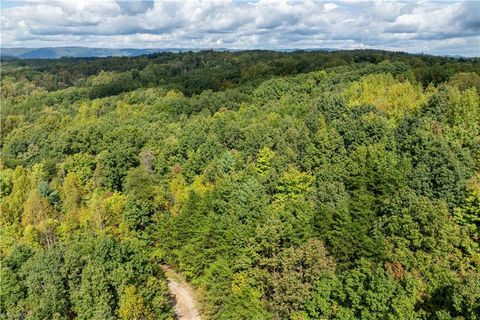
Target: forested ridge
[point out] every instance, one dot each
(302, 185)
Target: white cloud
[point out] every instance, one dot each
(330, 6)
(435, 27)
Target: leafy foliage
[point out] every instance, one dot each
(303, 185)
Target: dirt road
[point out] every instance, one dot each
(185, 303)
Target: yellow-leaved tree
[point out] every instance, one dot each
(12, 205)
(386, 93)
(133, 307)
(37, 209)
(72, 192)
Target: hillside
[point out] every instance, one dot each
(76, 52)
(282, 185)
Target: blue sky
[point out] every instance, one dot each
(440, 27)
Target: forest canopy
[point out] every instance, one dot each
(302, 185)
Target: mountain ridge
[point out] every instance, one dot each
(94, 52)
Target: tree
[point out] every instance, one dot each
(113, 166)
(137, 214)
(6, 182)
(264, 159)
(72, 192)
(37, 209)
(139, 183)
(132, 306)
(46, 282)
(294, 273)
(469, 214)
(465, 80)
(13, 290)
(95, 297)
(369, 292)
(244, 301)
(294, 184)
(82, 164)
(12, 206)
(381, 90)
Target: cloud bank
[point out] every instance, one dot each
(442, 27)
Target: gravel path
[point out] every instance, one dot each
(185, 303)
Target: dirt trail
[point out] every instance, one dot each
(185, 303)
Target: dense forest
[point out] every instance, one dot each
(301, 185)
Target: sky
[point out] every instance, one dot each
(432, 27)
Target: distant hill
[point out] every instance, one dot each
(59, 52)
(85, 52)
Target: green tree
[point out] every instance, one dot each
(12, 206)
(46, 282)
(294, 274)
